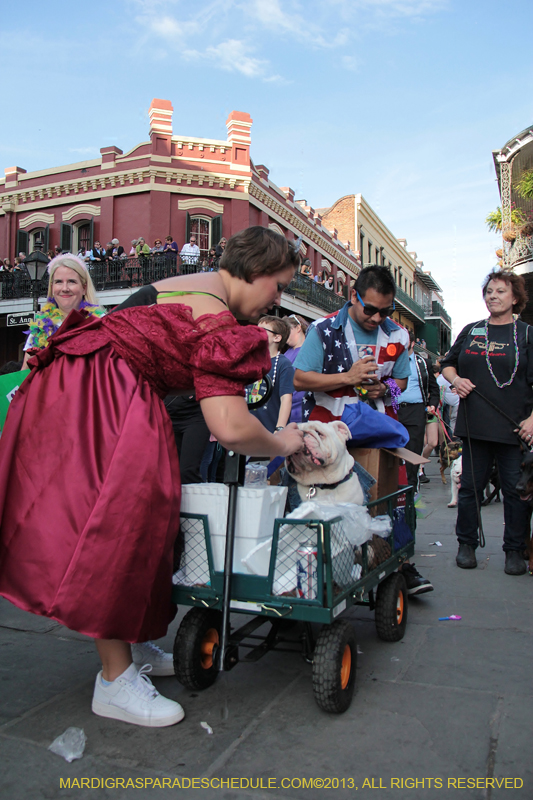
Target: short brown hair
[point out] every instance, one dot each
(257, 251)
(517, 284)
(279, 326)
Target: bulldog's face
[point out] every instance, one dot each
(324, 458)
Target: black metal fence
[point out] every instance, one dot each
(131, 273)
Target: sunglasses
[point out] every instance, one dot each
(274, 333)
(293, 316)
(370, 311)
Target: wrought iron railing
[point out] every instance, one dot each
(408, 302)
(521, 250)
(439, 311)
(309, 291)
(130, 273)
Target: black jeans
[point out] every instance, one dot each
(191, 435)
(413, 417)
(516, 512)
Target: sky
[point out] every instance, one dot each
(402, 101)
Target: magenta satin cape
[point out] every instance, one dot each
(89, 473)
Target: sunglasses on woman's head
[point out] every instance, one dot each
(370, 311)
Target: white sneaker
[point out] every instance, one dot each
(133, 698)
(149, 653)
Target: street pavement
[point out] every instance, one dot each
(451, 703)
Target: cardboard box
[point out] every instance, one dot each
(384, 465)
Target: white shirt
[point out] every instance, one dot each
(190, 253)
(449, 397)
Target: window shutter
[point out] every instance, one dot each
(216, 230)
(46, 239)
(188, 228)
(66, 237)
(91, 234)
(22, 242)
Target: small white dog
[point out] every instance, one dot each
(455, 479)
(323, 469)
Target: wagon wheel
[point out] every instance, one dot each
(391, 608)
(195, 648)
(334, 663)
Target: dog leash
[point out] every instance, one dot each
(476, 498)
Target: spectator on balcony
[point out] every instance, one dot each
(141, 249)
(190, 252)
(307, 268)
(133, 246)
(97, 254)
(158, 247)
(219, 250)
(115, 251)
(83, 255)
(320, 278)
(171, 248)
(212, 259)
(328, 283)
(69, 288)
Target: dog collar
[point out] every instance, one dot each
(313, 489)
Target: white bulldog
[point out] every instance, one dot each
(455, 479)
(323, 469)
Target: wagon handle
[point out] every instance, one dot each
(276, 611)
(201, 600)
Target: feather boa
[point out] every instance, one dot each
(48, 320)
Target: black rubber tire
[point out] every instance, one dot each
(333, 691)
(193, 666)
(391, 608)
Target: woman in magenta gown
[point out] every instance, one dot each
(89, 475)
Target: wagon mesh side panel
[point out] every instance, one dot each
(296, 560)
(288, 565)
(194, 564)
(342, 557)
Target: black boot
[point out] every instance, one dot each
(466, 557)
(514, 563)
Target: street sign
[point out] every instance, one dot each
(19, 319)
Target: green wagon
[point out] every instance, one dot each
(292, 593)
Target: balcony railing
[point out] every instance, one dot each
(309, 291)
(521, 250)
(131, 273)
(408, 302)
(439, 311)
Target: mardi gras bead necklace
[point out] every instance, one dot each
(516, 356)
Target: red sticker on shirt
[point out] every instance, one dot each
(390, 353)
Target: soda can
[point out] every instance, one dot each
(306, 571)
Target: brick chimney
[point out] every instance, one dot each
(239, 124)
(160, 113)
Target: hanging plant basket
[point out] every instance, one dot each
(509, 235)
(499, 252)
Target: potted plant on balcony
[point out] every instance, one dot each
(524, 187)
(494, 223)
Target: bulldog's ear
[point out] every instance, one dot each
(342, 430)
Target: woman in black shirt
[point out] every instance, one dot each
(495, 357)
